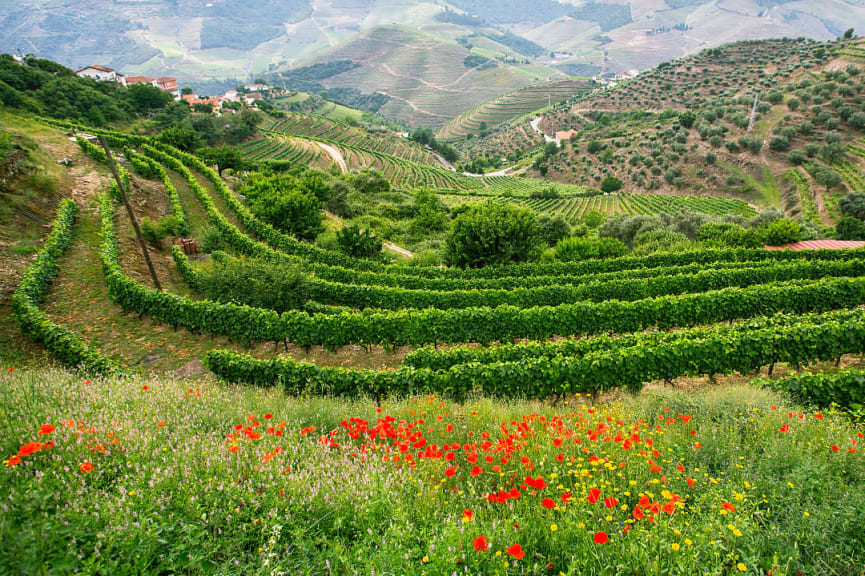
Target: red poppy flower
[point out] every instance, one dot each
(516, 551)
(234, 449)
(601, 538)
(835, 448)
(86, 468)
(594, 495)
(468, 515)
(610, 502)
(566, 496)
(480, 544)
(536, 483)
(45, 429)
(548, 503)
(14, 460)
(268, 416)
(728, 507)
(476, 471)
(29, 448)
(144, 388)
(451, 471)
(785, 428)
(637, 513)
(691, 482)
(48, 445)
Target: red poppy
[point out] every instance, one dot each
(835, 448)
(594, 495)
(86, 468)
(468, 515)
(638, 513)
(601, 538)
(516, 551)
(476, 471)
(268, 416)
(610, 502)
(690, 482)
(48, 445)
(728, 507)
(449, 472)
(144, 387)
(566, 496)
(548, 503)
(785, 428)
(14, 460)
(536, 483)
(29, 448)
(234, 449)
(45, 429)
(480, 544)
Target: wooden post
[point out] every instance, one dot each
(131, 214)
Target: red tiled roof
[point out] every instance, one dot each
(97, 67)
(138, 80)
(820, 244)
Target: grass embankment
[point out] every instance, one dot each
(161, 475)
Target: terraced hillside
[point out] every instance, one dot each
(513, 106)
(686, 127)
(424, 76)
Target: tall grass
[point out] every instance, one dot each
(202, 478)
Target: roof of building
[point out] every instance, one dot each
(97, 67)
(820, 245)
(138, 79)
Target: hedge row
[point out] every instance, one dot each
(69, 348)
(845, 388)
(718, 351)
(443, 359)
(501, 324)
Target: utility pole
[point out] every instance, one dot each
(131, 214)
(753, 112)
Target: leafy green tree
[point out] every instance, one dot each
(358, 242)
(849, 228)
(848, 34)
(853, 205)
(827, 177)
(727, 234)
(553, 228)
(145, 97)
(493, 234)
(181, 137)
(224, 157)
(687, 119)
(280, 201)
(611, 184)
(780, 232)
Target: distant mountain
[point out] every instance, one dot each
(213, 40)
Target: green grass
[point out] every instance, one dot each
(198, 477)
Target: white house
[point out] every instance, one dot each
(102, 74)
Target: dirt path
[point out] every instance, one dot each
(413, 106)
(334, 153)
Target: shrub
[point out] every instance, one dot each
(780, 232)
(255, 283)
(489, 233)
(358, 242)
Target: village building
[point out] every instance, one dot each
(165, 83)
(102, 74)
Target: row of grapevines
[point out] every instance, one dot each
(148, 167)
(844, 388)
(718, 351)
(69, 348)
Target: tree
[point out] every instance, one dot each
(780, 232)
(224, 157)
(611, 184)
(181, 137)
(853, 205)
(145, 98)
(280, 201)
(553, 228)
(594, 147)
(358, 242)
(850, 229)
(687, 119)
(493, 234)
(255, 283)
(848, 34)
